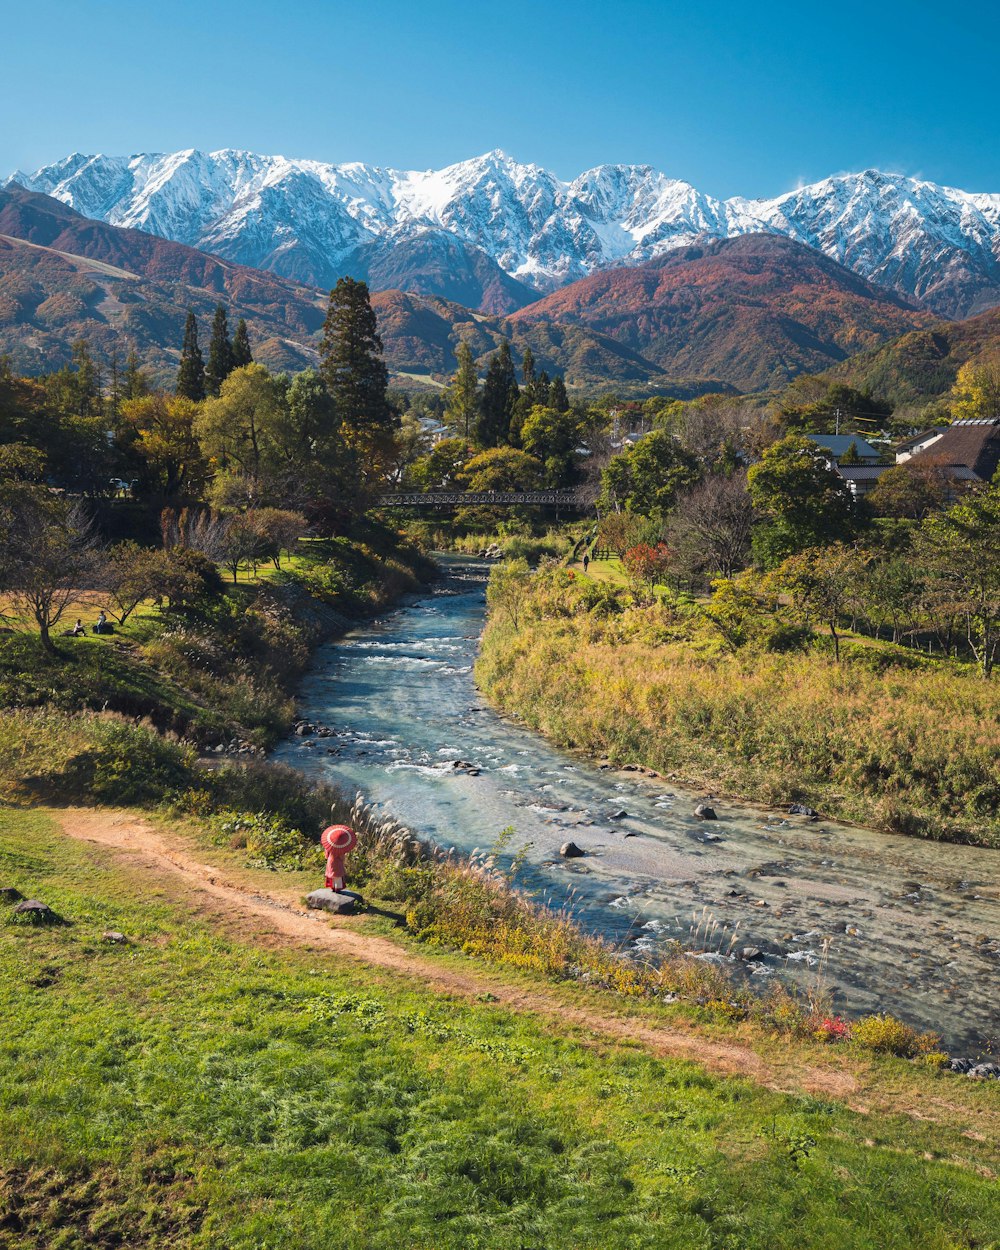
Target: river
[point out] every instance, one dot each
(880, 922)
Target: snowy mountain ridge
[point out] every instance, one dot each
(312, 221)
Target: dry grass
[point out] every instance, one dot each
(908, 751)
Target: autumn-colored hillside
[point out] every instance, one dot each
(912, 371)
(65, 277)
(755, 310)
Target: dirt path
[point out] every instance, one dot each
(277, 916)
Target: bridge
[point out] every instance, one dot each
(481, 498)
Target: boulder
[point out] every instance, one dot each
(749, 953)
(800, 809)
(8, 894)
(961, 1065)
(985, 1072)
(36, 911)
(570, 850)
(704, 812)
(339, 902)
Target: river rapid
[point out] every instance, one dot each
(881, 922)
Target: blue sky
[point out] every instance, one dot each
(736, 98)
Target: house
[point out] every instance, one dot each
(967, 451)
(917, 442)
(839, 445)
(861, 477)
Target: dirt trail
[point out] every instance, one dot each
(260, 915)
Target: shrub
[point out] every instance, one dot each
(831, 1029)
(270, 841)
(886, 1035)
(130, 764)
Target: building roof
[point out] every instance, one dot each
(839, 444)
(974, 445)
(862, 472)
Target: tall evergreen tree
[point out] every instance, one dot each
(355, 374)
(87, 382)
(528, 369)
(500, 393)
(135, 383)
(242, 355)
(191, 374)
(463, 393)
(558, 399)
(220, 352)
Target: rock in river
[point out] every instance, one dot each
(704, 812)
(570, 850)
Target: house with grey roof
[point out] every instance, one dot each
(839, 446)
(967, 451)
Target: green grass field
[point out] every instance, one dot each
(195, 1087)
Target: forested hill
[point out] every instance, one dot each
(64, 277)
(755, 311)
(914, 370)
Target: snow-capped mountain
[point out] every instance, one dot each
(313, 221)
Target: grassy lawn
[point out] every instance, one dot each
(192, 1088)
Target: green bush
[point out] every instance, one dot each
(270, 841)
(131, 764)
(886, 1035)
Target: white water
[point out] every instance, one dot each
(912, 927)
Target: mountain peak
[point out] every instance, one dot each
(303, 218)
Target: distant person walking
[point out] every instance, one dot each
(586, 561)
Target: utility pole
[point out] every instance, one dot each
(837, 415)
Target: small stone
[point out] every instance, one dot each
(339, 902)
(800, 809)
(704, 812)
(112, 935)
(711, 837)
(619, 815)
(570, 850)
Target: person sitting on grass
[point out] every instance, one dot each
(78, 630)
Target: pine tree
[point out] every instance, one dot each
(528, 369)
(114, 386)
(220, 353)
(558, 399)
(134, 384)
(87, 381)
(242, 355)
(463, 393)
(355, 374)
(191, 374)
(500, 395)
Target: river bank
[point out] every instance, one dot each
(883, 738)
(297, 1075)
(879, 922)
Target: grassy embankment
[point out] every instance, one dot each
(192, 1088)
(224, 667)
(886, 737)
